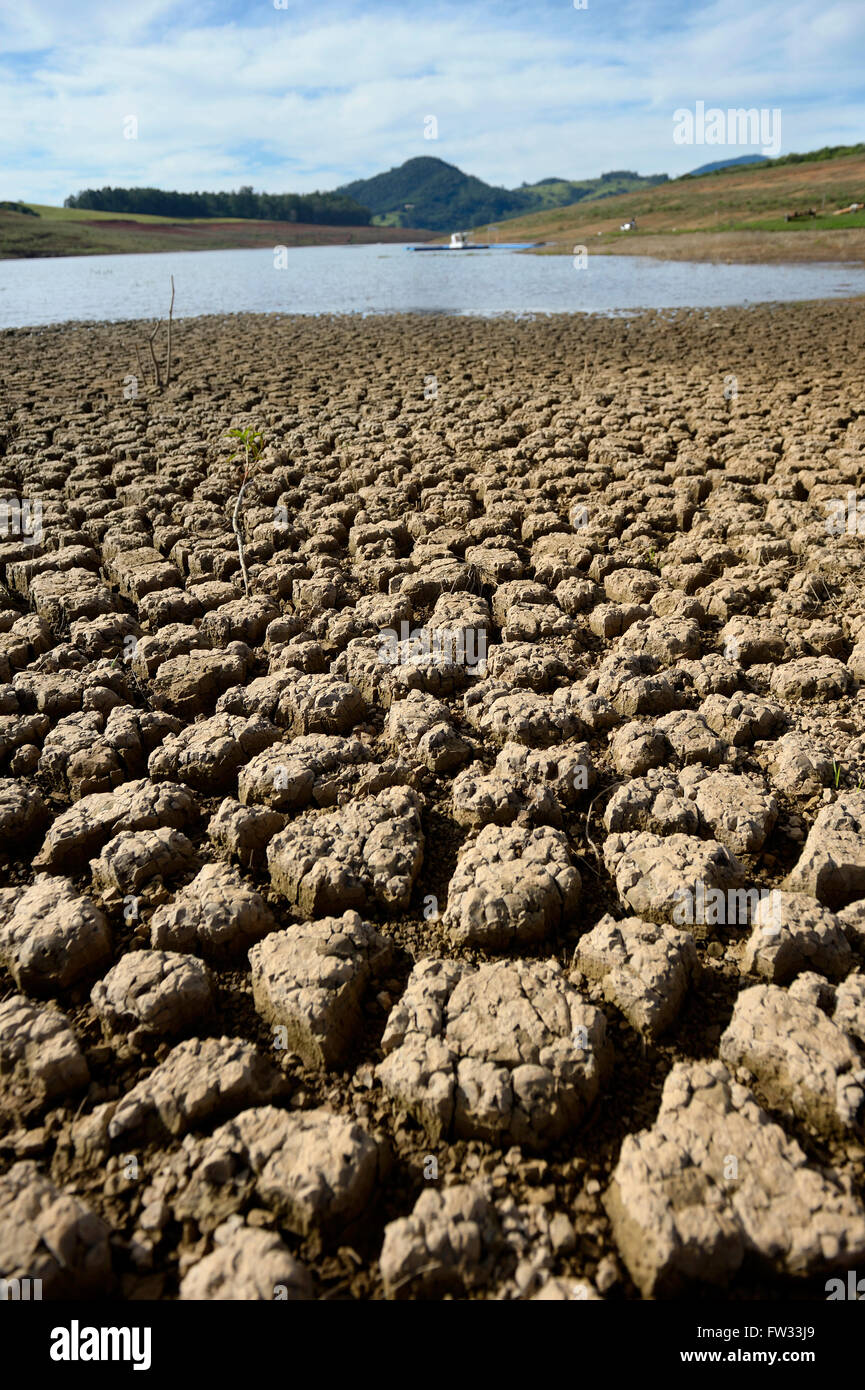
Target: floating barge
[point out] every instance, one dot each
(458, 243)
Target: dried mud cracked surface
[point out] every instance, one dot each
(476, 907)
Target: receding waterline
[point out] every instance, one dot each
(382, 279)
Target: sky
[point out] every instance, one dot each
(293, 95)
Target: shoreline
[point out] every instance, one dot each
(173, 250)
(844, 247)
(386, 316)
(71, 238)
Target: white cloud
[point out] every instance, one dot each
(311, 97)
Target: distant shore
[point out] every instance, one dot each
(738, 215)
(725, 248)
(69, 232)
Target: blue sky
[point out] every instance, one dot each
(315, 94)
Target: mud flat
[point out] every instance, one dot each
(476, 906)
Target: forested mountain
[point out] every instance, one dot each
(427, 192)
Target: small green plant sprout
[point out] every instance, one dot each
(836, 769)
(251, 446)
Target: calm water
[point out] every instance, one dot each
(389, 279)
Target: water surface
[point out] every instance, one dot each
(390, 279)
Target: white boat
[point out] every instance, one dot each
(458, 242)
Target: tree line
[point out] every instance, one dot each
(333, 209)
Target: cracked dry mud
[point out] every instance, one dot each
(476, 907)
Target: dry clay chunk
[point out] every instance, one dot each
(458, 1239)
(313, 767)
(39, 1055)
(318, 1171)
(507, 715)
(793, 932)
(199, 1081)
(243, 832)
(631, 686)
(509, 1052)
(444, 1246)
(831, 866)
(80, 832)
(690, 738)
(241, 620)
(655, 802)
(369, 851)
(667, 879)
(383, 671)
(217, 913)
(682, 1212)
(525, 665)
(47, 1234)
(53, 936)
(188, 685)
(511, 885)
(635, 748)
(22, 810)
(737, 810)
(811, 678)
(153, 994)
(77, 756)
(135, 857)
(311, 980)
(850, 1006)
(796, 767)
(803, 1062)
(320, 705)
(644, 969)
(207, 755)
(535, 782)
(246, 1265)
(422, 724)
(740, 719)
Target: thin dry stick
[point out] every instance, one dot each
(588, 379)
(603, 792)
(168, 354)
(235, 526)
(140, 364)
(156, 376)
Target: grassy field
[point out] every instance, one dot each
(78, 232)
(735, 214)
(814, 224)
(722, 216)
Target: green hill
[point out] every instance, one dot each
(427, 192)
(726, 164)
(559, 193)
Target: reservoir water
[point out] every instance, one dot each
(390, 279)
